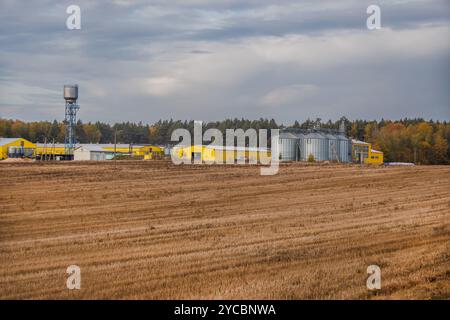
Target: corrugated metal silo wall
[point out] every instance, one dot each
(344, 149)
(302, 148)
(288, 149)
(333, 147)
(315, 144)
(323, 148)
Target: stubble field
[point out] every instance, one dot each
(154, 230)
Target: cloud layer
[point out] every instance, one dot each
(207, 60)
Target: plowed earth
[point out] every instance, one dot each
(154, 230)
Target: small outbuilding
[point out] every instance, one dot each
(94, 152)
(362, 152)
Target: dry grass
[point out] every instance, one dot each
(154, 230)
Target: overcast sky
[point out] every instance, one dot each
(210, 60)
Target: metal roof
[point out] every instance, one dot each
(288, 135)
(313, 134)
(93, 147)
(4, 141)
(354, 141)
(233, 148)
(330, 136)
(111, 145)
(342, 136)
(100, 145)
(50, 145)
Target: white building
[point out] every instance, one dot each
(92, 152)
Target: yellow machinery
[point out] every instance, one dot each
(362, 152)
(16, 148)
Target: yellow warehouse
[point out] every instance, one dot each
(19, 148)
(50, 151)
(212, 154)
(16, 148)
(146, 151)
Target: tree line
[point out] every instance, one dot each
(406, 140)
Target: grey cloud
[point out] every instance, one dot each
(207, 60)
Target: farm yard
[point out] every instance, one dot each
(153, 230)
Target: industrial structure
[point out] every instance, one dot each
(22, 148)
(16, 148)
(111, 151)
(92, 152)
(314, 144)
(50, 151)
(363, 153)
(70, 119)
(299, 145)
(221, 154)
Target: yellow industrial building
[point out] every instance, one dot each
(22, 148)
(362, 152)
(217, 154)
(56, 151)
(146, 151)
(16, 148)
(50, 151)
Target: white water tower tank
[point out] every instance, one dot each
(71, 93)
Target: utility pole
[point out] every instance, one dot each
(52, 155)
(415, 155)
(45, 148)
(115, 146)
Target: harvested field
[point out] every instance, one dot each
(154, 230)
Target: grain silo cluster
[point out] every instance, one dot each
(314, 144)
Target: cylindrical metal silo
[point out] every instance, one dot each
(301, 147)
(344, 147)
(333, 147)
(323, 148)
(316, 145)
(288, 144)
